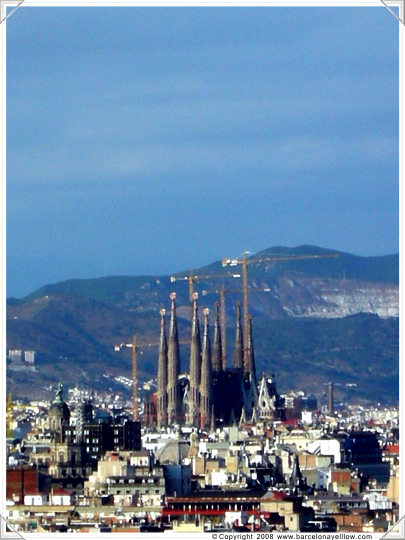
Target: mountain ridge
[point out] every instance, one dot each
(306, 314)
(380, 269)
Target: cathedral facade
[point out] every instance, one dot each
(210, 394)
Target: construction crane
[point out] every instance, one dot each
(9, 415)
(134, 362)
(222, 292)
(120, 346)
(244, 261)
(192, 278)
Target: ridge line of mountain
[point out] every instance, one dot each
(374, 268)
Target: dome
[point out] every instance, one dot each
(174, 451)
(58, 407)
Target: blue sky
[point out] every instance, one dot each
(152, 140)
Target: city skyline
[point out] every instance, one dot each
(150, 140)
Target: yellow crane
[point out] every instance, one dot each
(192, 278)
(134, 363)
(244, 261)
(222, 310)
(9, 415)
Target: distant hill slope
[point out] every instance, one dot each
(309, 327)
(359, 350)
(323, 287)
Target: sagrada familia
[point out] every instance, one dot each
(210, 394)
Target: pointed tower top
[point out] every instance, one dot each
(173, 366)
(217, 342)
(296, 479)
(206, 367)
(195, 355)
(206, 343)
(162, 376)
(163, 343)
(238, 352)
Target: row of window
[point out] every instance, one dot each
(134, 481)
(146, 492)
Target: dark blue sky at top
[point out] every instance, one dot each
(152, 140)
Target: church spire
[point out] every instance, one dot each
(297, 482)
(206, 377)
(238, 353)
(195, 366)
(217, 345)
(173, 370)
(250, 355)
(162, 379)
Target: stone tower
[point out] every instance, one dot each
(250, 368)
(238, 352)
(173, 368)
(206, 391)
(217, 345)
(59, 416)
(162, 380)
(195, 367)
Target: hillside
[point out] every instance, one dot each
(309, 324)
(322, 287)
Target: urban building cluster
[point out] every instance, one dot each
(214, 449)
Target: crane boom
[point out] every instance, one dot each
(222, 310)
(192, 278)
(244, 261)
